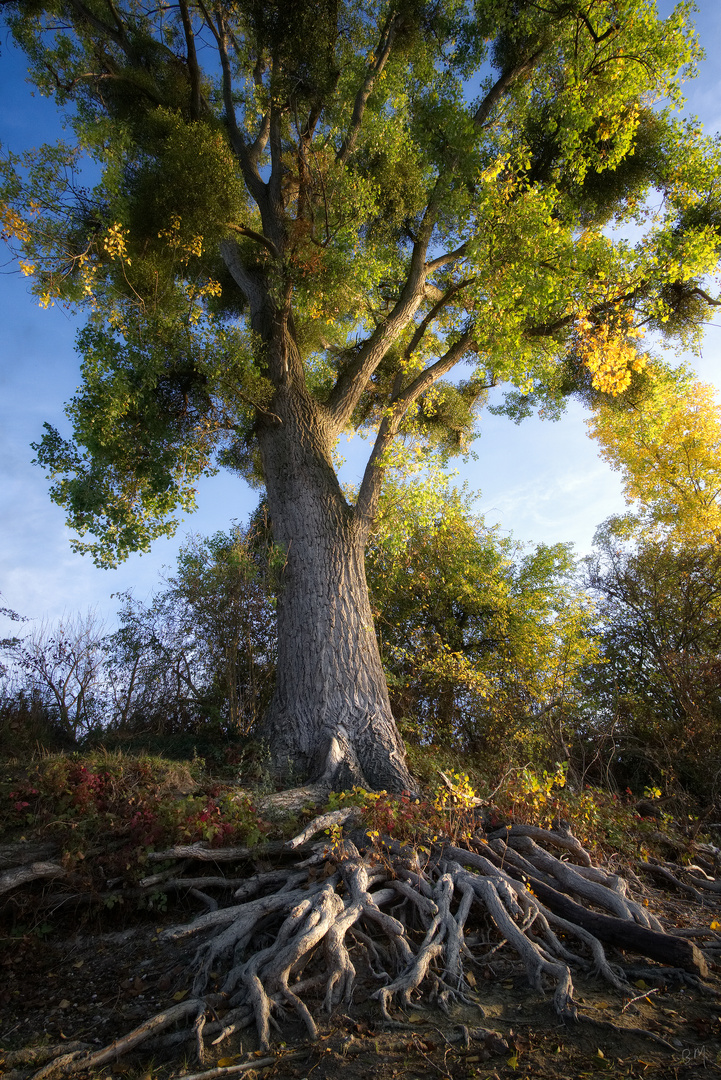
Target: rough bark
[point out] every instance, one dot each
(330, 718)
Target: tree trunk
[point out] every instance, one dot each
(330, 716)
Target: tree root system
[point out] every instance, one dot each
(413, 921)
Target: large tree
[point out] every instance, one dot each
(290, 219)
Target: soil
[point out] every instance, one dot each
(84, 981)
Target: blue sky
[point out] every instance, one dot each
(541, 481)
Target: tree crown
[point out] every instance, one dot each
(410, 189)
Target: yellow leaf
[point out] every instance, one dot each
(640, 984)
(600, 1053)
(179, 995)
(513, 1061)
(715, 925)
(222, 1062)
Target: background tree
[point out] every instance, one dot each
(483, 643)
(657, 695)
(307, 216)
(199, 657)
(666, 442)
(61, 666)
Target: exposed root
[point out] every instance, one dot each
(300, 933)
(23, 875)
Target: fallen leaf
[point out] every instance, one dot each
(179, 995)
(640, 984)
(513, 1061)
(223, 1062)
(78, 963)
(600, 1053)
(64, 1004)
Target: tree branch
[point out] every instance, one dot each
(504, 84)
(192, 62)
(248, 158)
(351, 383)
(548, 329)
(370, 489)
(442, 301)
(258, 237)
(426, 378)
(448, 259)
(117, 35)
(382, 53)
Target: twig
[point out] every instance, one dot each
(640, 997)
(233, 1070)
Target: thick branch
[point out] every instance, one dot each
(104, 29)
(444, 299)
(381, 58)
(248, 283)
(431, 374)
(504, 84)
(353, 380)
(192, 61)
(253, 235)
(448, 259)
(248, 158)
(370, 488)
(351, 383)
(275, 183)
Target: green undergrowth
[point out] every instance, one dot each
(106, 811)
(603, 819)
(118, 807)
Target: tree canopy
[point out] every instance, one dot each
(417, 185)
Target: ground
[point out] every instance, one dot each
(95, 987)
(80, 966)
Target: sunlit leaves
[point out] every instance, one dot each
(609, 353)
(657, 689)
(668, 450)
(474, 632)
